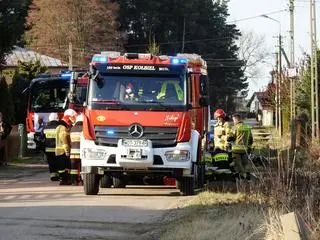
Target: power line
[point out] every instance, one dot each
(257, 16)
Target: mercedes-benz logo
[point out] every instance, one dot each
(136, 131)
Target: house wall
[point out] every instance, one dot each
(267, 117)
(255, 105)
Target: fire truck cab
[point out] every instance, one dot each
(145, 115)
(46, 94)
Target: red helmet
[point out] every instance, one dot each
(219, 113)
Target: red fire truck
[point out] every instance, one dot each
(145, 115)
(48, 93)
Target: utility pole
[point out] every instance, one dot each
(279, 86)
(314, 74)
(292, 62)
(70, 57)
(276, 93)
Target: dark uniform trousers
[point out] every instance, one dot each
(75, 153)
(50, 144)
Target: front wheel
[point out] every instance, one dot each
(91, 183)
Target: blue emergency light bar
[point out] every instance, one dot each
(177, 61)
(99, 58)
(65, 74)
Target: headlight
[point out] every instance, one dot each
(177, 155)
(94, 154)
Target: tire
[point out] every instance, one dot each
(186, 186)
(105, 181)
(90, 183)
(119, 182)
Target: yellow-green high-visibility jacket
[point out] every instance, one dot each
(75, 140)
(63, 142)
(50, 134)
(163, 91)
(243, 138)
(221, 133)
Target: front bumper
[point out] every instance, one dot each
(149, 160)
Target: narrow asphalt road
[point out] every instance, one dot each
(32, 207)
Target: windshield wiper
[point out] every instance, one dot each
(165, 107)
(112, 104)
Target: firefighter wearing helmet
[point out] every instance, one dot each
(221, 130)
(63, 145)
(75, 151)
(50, 145)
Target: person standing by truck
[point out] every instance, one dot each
(63, 145)
(5, 129)
(221, 157)
(50, 145)
(242, 141)
(75, 150)
(221, 130)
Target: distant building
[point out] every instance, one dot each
(262, 103)
(25, 55)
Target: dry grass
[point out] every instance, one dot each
(235, 220)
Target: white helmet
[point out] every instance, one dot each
(53, 117)
(79, 118)
(69, 116)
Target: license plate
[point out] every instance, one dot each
(134, 153)
(135, 143)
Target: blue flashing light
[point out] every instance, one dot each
(177, 61)
(100, 59)
(110, 132)
(66, 74)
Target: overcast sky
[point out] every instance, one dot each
(243, 9)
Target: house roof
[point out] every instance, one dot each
(25, 55)
(264, 98)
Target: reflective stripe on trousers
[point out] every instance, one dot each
(220, 157)
(74, 171)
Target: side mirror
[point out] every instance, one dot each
(204, 101)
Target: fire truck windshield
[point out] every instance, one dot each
(138, 92)
(48, 99)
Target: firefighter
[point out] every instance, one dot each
(50, 145)
(75, 151)
(242, 142)
(171, 90)
(221, 130)
(63, 145)
(221, 157)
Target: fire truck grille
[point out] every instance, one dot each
(160, 136)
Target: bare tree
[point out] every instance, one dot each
(90, 25)
(252, 50)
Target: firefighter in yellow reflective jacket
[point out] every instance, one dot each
(50, 145)
(63, 145)
(171, 90)
(221, 157)
(241, 147)
(221, 130)
(75, 150)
